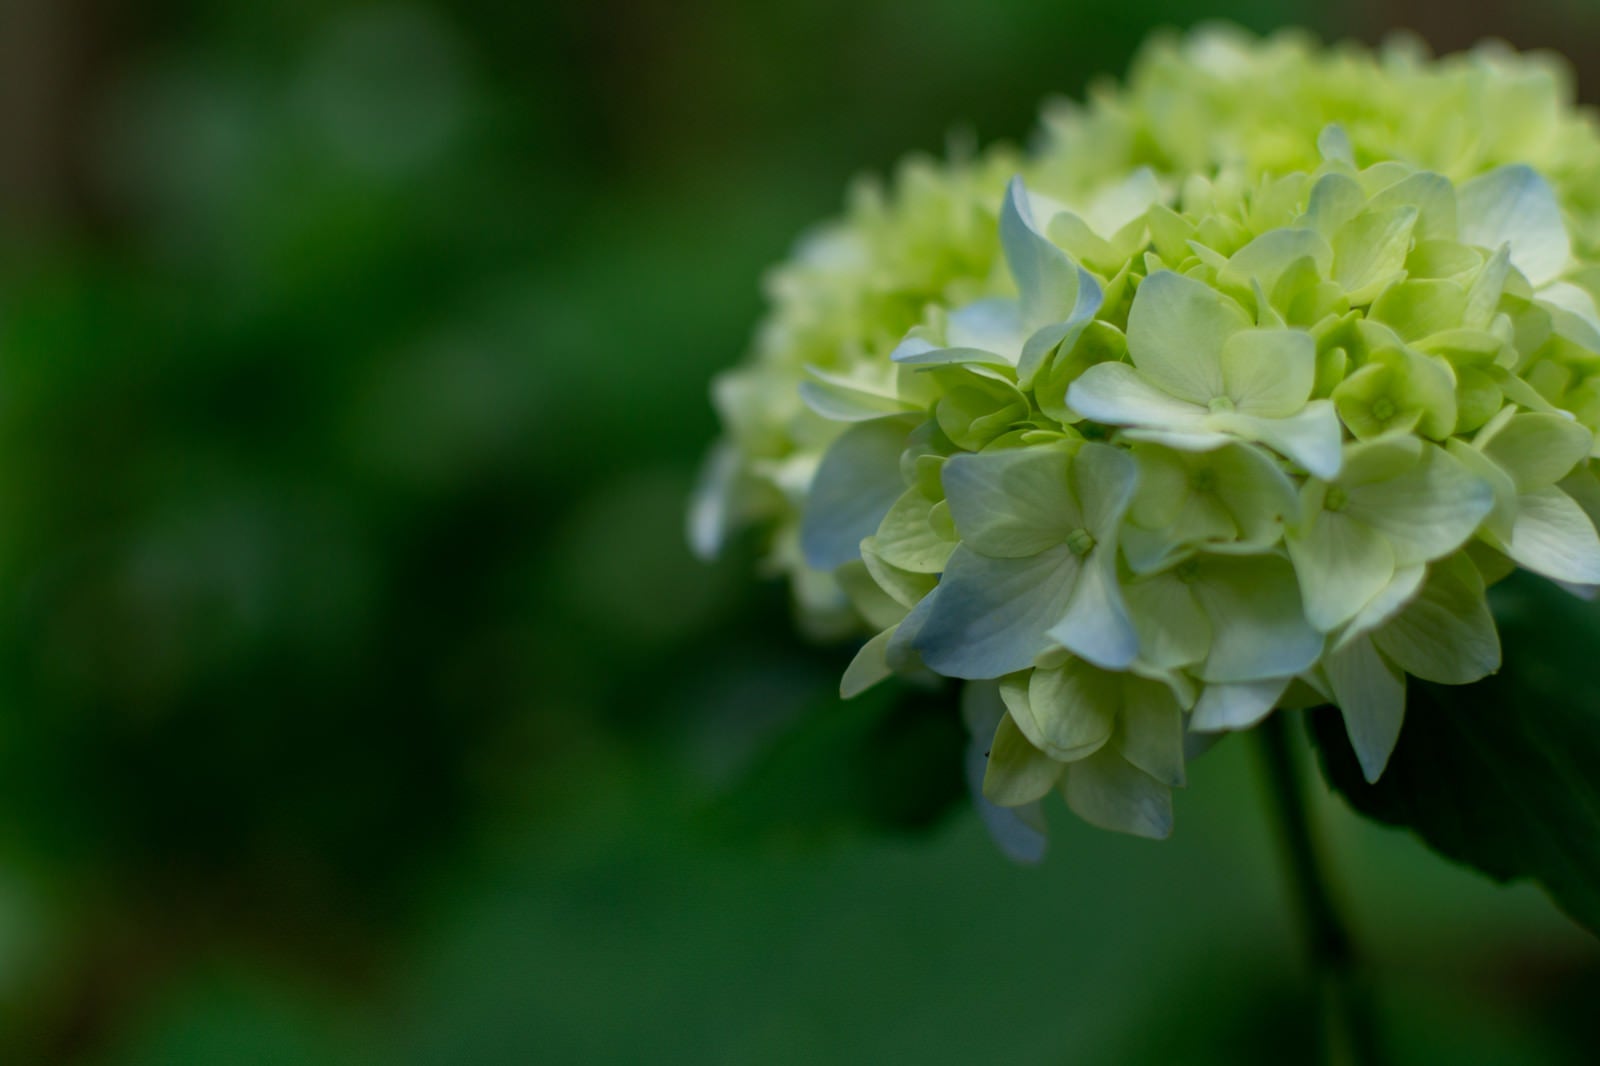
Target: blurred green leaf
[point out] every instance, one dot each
(1500, 774)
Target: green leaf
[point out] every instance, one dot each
(1499, 775)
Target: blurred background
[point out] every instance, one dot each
(359, 701)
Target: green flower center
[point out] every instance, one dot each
(1203, 480)
(1080, 541)
(1221, 405)
(1335, 499)
(1187, 570)
(1383, 409)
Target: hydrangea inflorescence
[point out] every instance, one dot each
(1233, 396)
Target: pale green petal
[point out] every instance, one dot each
(1019, 832)
(1150, 732)
(1117, 395)
(1514, 205)
(1432, 195)
(905, 587)
(1013, 502)
(1553, 536)
(1176, 329)
(1372, 699)
(1335, 199)
(1173, 629)
(1105, 790)
(1163, 486)
(1068, 712)
(1370, 250)
(907, 537)
(932, 357)
(878, 608)
(1265, 259)
(1341, 563)
(1269, 372)
(1017, 772)
(990, 617)
(1400, 590)
(856, 483)
(1446, 634)
(1236, 706)
(841, 399)
(870, 666)
(1538, 450)
(1259, 629)
(1310, 438)
(1427, 512)
(1255, 490)
(1183, 440)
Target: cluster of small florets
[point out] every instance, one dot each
(1145, 450)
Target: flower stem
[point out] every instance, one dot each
(1349, 1029)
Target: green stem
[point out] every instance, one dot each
(1349, 1028)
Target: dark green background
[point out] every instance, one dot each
(359, 702)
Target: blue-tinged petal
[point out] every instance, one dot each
(992, 325)
(1371, 696)
(1097, 625)
(711, 507)
(856, 483)
(1047, 278)
(991, 617)
(1013, 502)
(1105, 479)
(1515, 205)
(1239, 705)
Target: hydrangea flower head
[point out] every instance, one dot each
(1234, 397)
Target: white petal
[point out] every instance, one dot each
(1311, 437)
(993, 325)
(711, 506)
(1047, 278)
(1117, 395)
(1427, 512)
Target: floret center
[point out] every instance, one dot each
(1203, 480)
(1335, 499)
(1080, 541)
(1383, 409)
(1221, 405)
